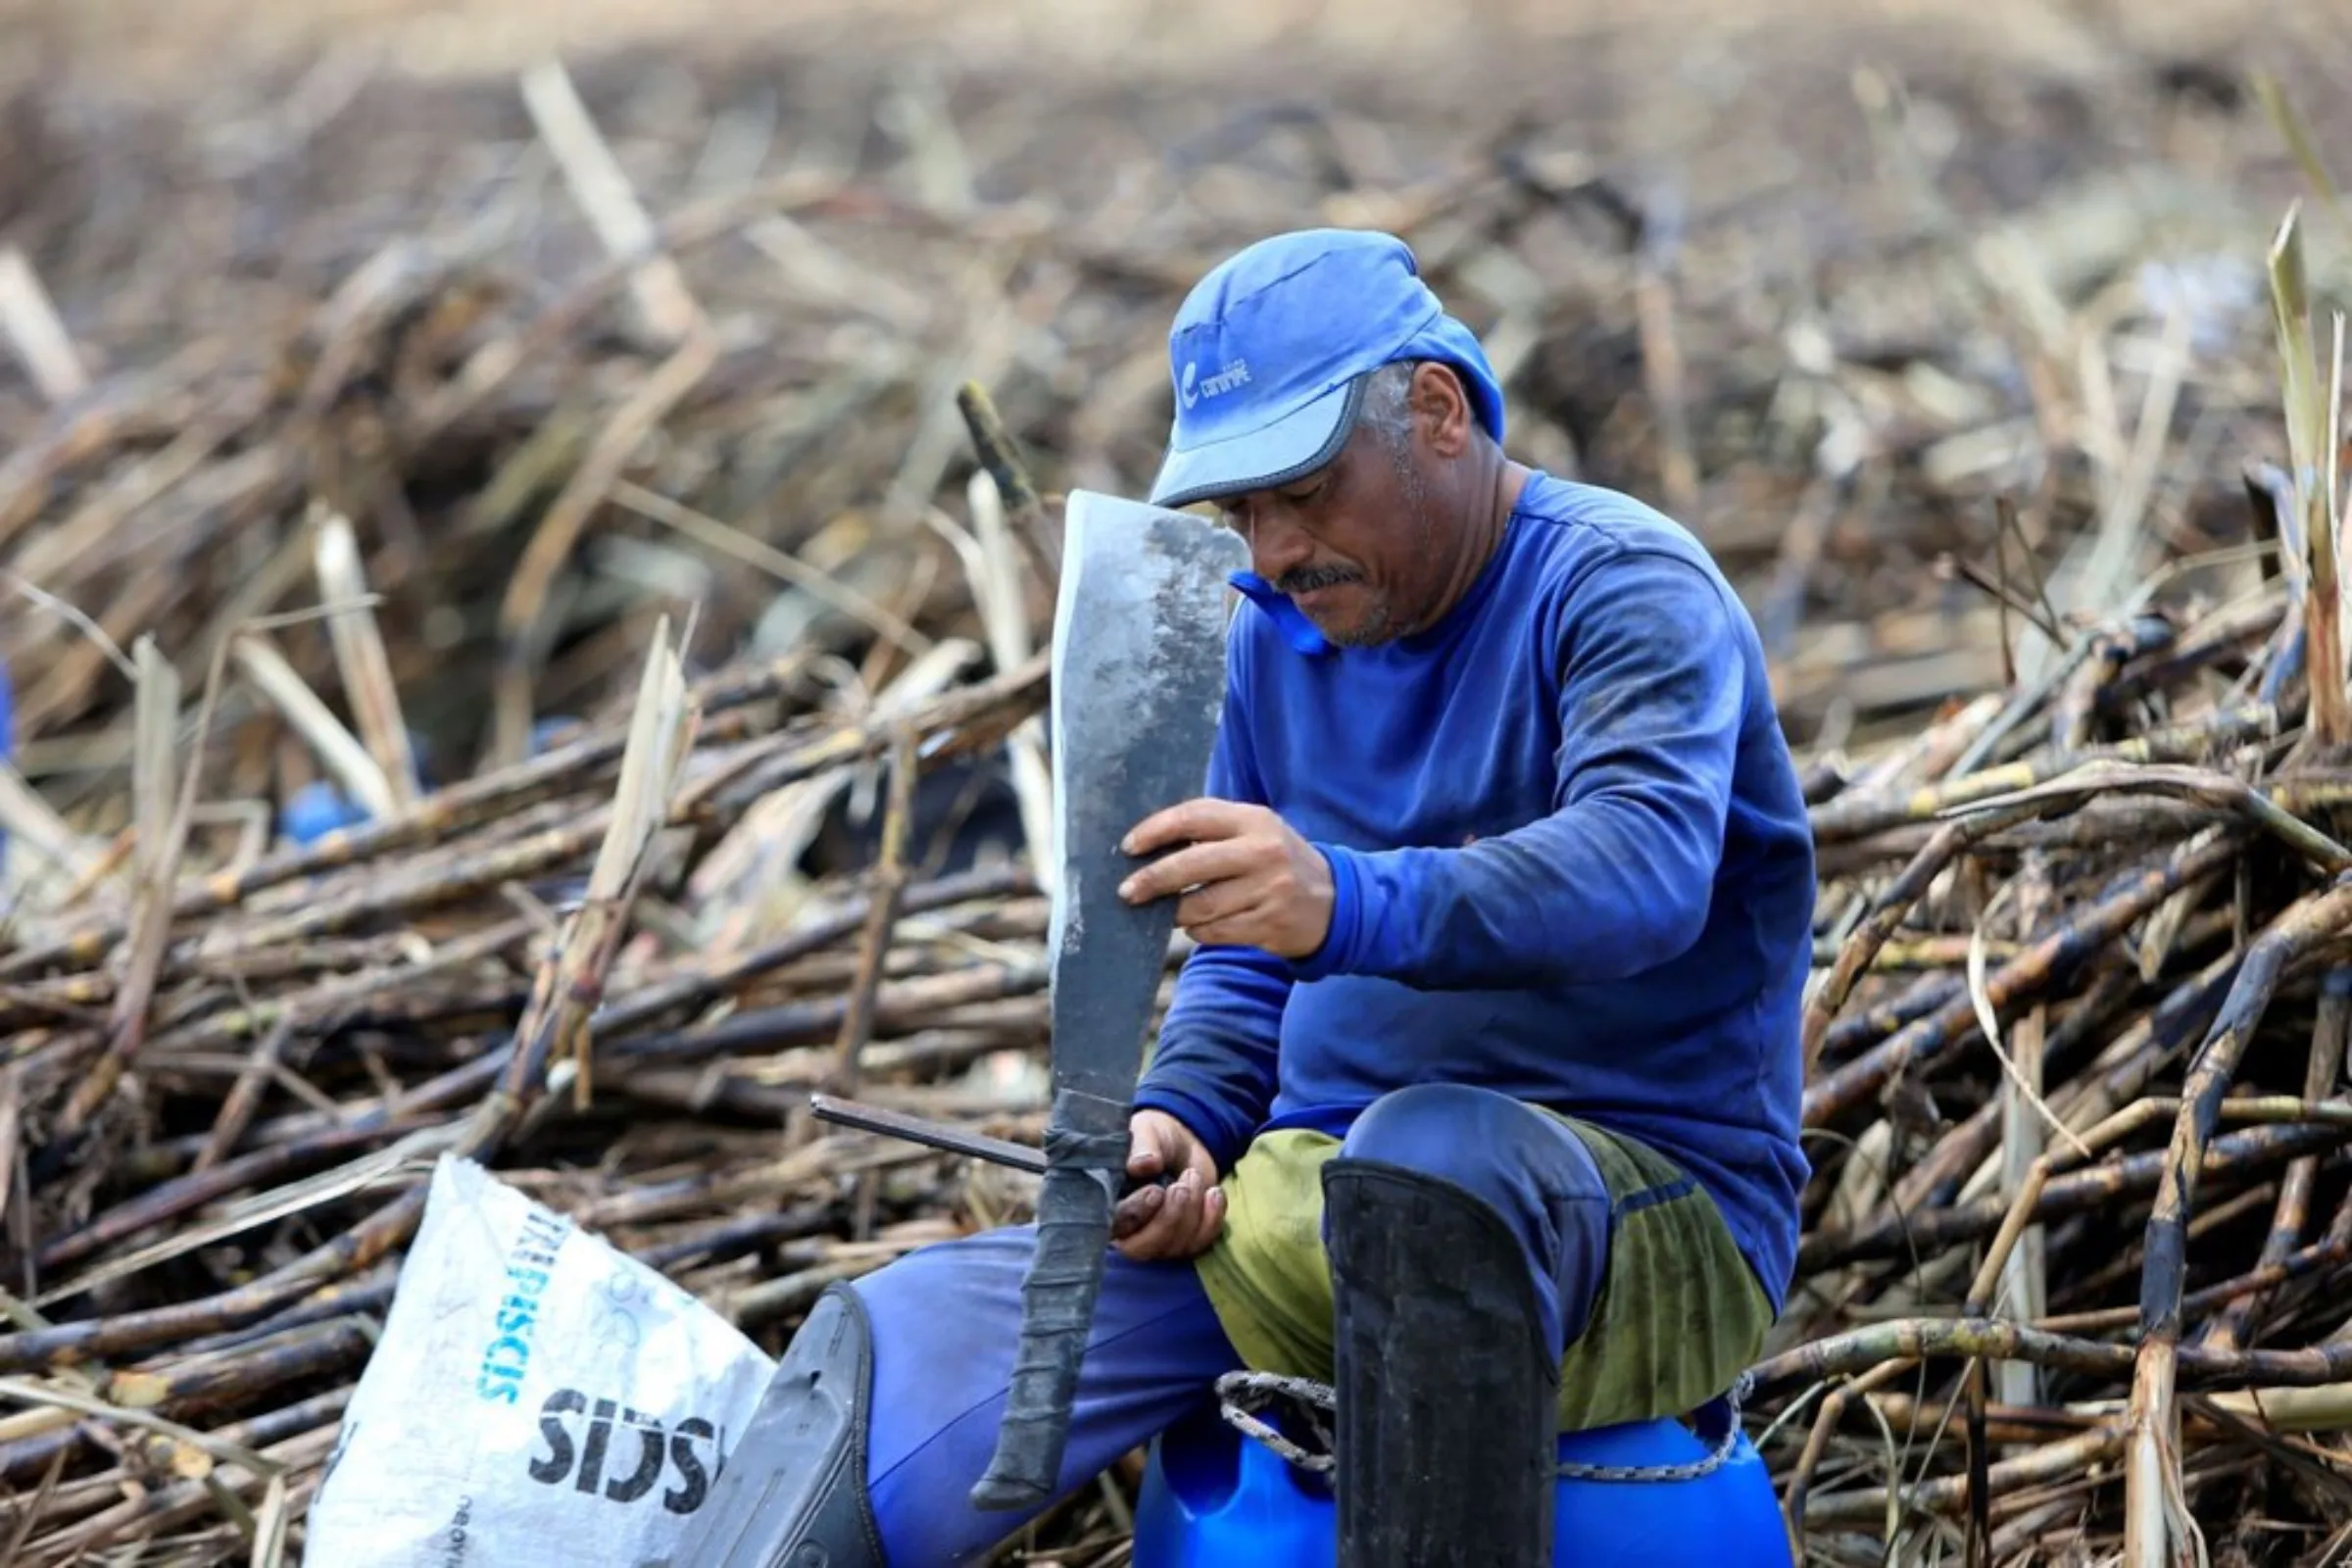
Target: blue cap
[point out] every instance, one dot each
(1269, 354)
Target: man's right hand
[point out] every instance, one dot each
(1180, 1219)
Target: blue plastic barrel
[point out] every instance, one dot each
(1214, 1496)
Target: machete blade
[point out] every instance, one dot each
(1138, 683)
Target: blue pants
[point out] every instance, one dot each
(947, 1319)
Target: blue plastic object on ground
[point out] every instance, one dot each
(560, 729)
(316, 809)
(1214, 1496)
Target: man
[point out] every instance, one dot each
(1481, 1091)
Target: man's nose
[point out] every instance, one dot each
(1277, 544)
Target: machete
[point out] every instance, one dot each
(1138, 680)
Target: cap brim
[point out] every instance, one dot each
(1290, 448)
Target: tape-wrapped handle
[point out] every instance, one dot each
(1084, 1168)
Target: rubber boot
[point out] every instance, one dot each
(793, 1494)
(1445, 1433)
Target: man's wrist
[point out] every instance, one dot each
(1342, 935)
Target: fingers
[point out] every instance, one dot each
(1181, 1217)
(1178, 1220)
(1204, 1232)
(1146, 1158)
(1192, 821)
(1218, 902)
(1136, 1210)
(1217, 861)
(1199, 1162)
(1175, 826)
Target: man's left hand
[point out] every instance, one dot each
(1252, 881)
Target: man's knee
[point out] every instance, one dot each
(1528, 1170)
(1485, 1143)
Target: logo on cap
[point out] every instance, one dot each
(1232, 373)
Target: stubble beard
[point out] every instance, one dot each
(1380, 623)
(1374, 627)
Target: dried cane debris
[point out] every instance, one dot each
(380, 792)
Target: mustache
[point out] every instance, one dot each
(1306, 579)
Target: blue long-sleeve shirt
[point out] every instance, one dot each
(1570, 858)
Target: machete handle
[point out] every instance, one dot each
(1057, 1299)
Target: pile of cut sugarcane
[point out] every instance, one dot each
(2076, 1252)
(558, 723)
(600, 970)
(570, 350)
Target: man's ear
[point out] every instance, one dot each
(1443, 410)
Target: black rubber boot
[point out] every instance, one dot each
(1444, 1431)
(793, 1494)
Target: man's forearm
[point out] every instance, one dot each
(1595, 894)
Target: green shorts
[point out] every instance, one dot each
(1680, 1314)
